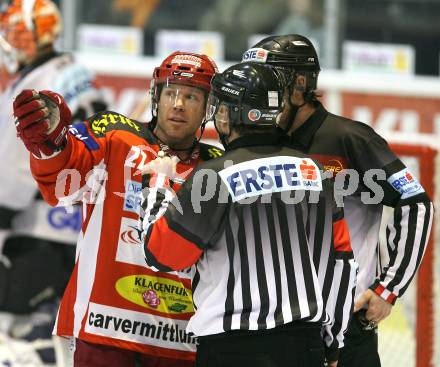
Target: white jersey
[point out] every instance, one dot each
(62, 74)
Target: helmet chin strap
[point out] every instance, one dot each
(202, 130)
(293, 111)
(188, 150)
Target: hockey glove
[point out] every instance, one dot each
(41, 121)
(156, 198)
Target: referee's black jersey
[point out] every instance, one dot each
(339, 144)
(247, 221)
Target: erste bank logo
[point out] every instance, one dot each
(267, 175)
(406, 184)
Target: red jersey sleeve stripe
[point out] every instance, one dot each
(167, 250)
(381, 291)
(341, 236)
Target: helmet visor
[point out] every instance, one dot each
(181, 96)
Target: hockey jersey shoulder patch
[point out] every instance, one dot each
(80, 132)
(208, 152)
(103, 122)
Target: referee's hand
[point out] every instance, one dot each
(377, 308)
(162, 166)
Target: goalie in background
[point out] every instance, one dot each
(37, 251)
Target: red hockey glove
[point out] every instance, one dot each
(41, 120)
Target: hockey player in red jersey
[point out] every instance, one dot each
(119, 311)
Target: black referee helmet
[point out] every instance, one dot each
(292, 54)
(252, 93)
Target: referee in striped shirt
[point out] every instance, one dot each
(248, 221)
(353, 149)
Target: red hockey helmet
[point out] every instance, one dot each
(186, 68)
(195, 70)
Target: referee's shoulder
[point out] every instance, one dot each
(287, 150)
(212, 157)
(209, 152)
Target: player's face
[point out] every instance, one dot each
(181, 110)
(296, 99)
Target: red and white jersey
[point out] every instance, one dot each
(62, 74)
(113, 297)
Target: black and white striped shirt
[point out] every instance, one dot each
(268, 243)
(340, 144)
